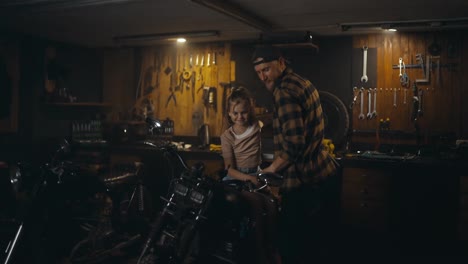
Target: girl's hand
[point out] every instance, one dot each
(268, 169)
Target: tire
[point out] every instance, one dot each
(336, 118)
(187, 243)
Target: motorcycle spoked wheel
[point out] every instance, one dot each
(102, 242)
(85, 251)
(174, 251)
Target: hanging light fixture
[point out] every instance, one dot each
(163, 37)
(406, 25)
(48, 5)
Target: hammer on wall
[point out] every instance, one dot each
(226, 87)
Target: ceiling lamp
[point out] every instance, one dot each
(388, 27)
(406, 25)
(159, 37)
(48, 5)
(306, 42)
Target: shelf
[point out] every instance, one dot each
(81, 104)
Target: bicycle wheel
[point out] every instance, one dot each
(336, 118)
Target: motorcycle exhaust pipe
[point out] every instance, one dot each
(12, 245)
(154, 230)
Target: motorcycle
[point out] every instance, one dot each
(67, 214)
(125, 210)
(204, 220)
(48, 198)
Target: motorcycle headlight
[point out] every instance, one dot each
(180, 189)
(196, 196)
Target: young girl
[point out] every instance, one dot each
(241, 150)
(241, 142)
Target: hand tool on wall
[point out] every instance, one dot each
(374, 113)
(400, 65)
(431, 66)
(414, 112)
(361, 115)
(171, 96)
(420, 105)
(226, 88)
(200, 78)
(364, 77)
(172, 79)
(214, 58)
(426, 72)
(187, 73)
(208, 60)
(355, 94)
(420, 61)
(180, 87)
(177, 74)
(187, 77)
(157, 67)
(404, 79)
(369, 107)
(212, 97)
(202, 60)
(192, 81)
(168, 70)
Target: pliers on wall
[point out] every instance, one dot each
(171, 96)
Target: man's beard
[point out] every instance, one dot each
(269, 85)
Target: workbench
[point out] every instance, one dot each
(417, 203)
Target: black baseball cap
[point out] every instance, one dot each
(266, 53)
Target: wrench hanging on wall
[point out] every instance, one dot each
(364, 77)
(361, 115)
(355, 94)
(374, 113)
(404, 79)
(369, 107)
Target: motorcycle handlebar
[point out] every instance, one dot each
(266, 179)
(169, 148)
(269, 179)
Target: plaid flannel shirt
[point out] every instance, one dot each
(298, 131)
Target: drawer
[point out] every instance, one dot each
(364, 191)
(368, 215)
(367, 184)
(371, 177)
(463, 225)
(464, 184)
(464, 202)
(363, 204)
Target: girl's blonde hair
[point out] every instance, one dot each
(240, 95)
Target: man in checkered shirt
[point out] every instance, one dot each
(310, 193)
